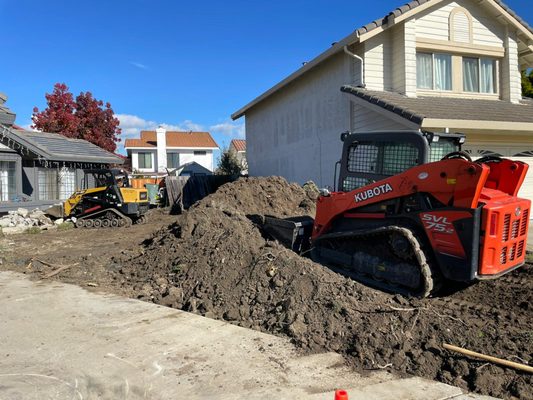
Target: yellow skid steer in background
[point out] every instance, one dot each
(107, 201)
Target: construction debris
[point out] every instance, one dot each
(22, 219)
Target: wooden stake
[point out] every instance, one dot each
(59, 270)
(491, 359)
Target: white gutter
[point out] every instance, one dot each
(361, 60)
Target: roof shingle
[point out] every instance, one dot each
(174, 139)
(56, 147)
(419, 108)
(239, 144)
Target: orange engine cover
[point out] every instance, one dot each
(505, 220)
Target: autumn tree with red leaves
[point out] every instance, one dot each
(83, 118)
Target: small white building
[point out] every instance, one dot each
(159, 150)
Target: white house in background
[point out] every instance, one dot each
(159, 150)
(238, 146)
(430, 64)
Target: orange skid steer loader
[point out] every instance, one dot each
(413, 211)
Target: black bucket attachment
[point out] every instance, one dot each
(294, 233)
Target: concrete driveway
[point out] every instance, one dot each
(58, 341)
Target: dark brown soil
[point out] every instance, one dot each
(214, 261)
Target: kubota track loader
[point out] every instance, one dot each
(412, 211)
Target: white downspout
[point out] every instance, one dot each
(362, 64)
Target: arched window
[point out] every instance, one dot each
(460, 26)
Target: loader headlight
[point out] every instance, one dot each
(324, 192)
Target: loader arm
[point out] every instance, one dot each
(455, 183)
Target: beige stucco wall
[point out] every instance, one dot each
(295, 133)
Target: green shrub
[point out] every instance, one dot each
(33, 230)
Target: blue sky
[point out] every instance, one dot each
(186, 64)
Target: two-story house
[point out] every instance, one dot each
(159, 150)
(438, 65)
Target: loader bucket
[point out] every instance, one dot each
(55, 211)
(294, 233)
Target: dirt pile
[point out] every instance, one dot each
(215, 261)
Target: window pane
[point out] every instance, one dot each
(488, 68)
(424, 71)
(173, 160)
(440, 149)
(363, 158)
(351, 183)
(385, 158)
(470, 74)
(67, 183)
(7, 180)
(47, 182)
(398, 157)
(443, 72)
(145, 160)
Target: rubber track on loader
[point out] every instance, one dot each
(108, 218)
(328, 250)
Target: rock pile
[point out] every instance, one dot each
(22, 219)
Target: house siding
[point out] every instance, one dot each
(135, 160)
(364, 120)
(434, 24)
(410, 57)
(295, 133)
(186, 156)
(511, 81)
(378, 60)
(398, 59)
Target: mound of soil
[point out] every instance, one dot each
(215, 261)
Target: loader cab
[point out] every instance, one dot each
(103, 184)
(373, 156)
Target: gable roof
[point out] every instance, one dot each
(395, 16)
(55, 147)
(193, 166)
(174, 139)
(420, 111)
(238, 144)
